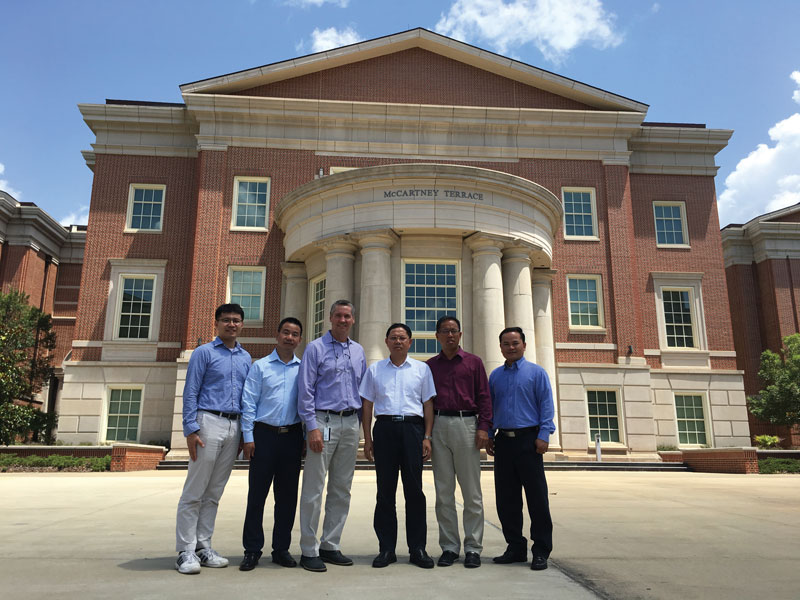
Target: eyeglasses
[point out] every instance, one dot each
(230, 321)
(449, 331)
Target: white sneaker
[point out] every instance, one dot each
(187, 563)
(209, 558)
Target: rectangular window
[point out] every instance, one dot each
(670, 224)
(603, 415)
(124, 408)
(250, 202)
(145, 207)
(678, 318)
(136, 307)
(585, 301)
(580, 214)
(691, 420)
(246, 288)
(317, 317)
(430, 292)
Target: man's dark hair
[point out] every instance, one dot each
(444, 319)
(512, 330)
(396, 325)
(291, 320)
(229, 308)
(343, 302)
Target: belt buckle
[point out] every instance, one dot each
(398, 418)
(283, 430)
(510, 433)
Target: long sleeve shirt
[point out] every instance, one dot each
(461, 384)
(214, 381)
(521, 397)
(330, 374)
(270, 394)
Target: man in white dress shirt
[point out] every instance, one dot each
(399, 391)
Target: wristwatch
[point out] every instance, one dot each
(427, 437)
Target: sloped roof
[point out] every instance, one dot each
(767, 217)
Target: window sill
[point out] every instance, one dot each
(129, 230)
(581, 238)
(251, 229)
(588, 331)
(674, 246)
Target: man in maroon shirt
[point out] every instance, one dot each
(463, 416)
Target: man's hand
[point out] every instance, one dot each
(490, 447)
(315, 440)
(192, 441)
(541, 446)
(369, 452)
(481, 439)
(426, 449)
(249, 448)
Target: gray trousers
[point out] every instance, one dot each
(337, 461)
(205, 481)
(456, 457)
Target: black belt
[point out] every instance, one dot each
(276, 429)
(400, 418)
(219, 413)
(455, 413)
(517, 432)
(341, 413)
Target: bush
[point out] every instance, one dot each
(772, 466)
(56, 461)
(768, 441)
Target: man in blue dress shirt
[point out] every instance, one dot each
(399, 389)
(273, 443)
(211, 408)
(328, 403)
(523, 418)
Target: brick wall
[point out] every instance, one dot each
(135, 457)
(716, 460)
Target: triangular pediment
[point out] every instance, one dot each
(790, 214)
(416, 66)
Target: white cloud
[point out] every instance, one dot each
(331, 37)
(78, 217)
(317, 3)
(4, 186)
(555, 27)
(768, 178)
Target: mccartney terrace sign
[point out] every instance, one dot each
(433, 193)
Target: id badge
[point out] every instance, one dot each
(326, 434)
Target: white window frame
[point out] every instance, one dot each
(420, 334)
(107, 409)
(133, 267)
(690, 282)
(685, 229)
(311, 306)
(129, 216)
(593, 200)
(600, 327)
(620, 418)
(259, 322)
(707, 421)
(235, 204)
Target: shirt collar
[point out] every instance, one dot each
(403, 366)
(329, 339)
(459, 354)
(516, 364)
(219, 342)
(273, 357)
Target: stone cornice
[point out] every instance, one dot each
(758, 241)
(22, 225)
(677, 150)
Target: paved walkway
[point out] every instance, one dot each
(618, 535)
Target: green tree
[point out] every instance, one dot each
(778, 402)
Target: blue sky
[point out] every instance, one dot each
(731, 64)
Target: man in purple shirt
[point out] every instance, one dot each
(328, 403)
(462, 418)
(211, 407)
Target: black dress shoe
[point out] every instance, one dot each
(447, 558)
(539, 563)
(313, 563)
(421, 559)
(384, 559)
(335, 557)
(283, 558)
(511, 556)
(249, 561)
(472, 560)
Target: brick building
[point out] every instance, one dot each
(762, 264)
(418, 176)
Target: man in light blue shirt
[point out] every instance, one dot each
(523, 418)
(400, 390)
(211, 408)
(273, 443)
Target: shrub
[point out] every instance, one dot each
(772, 466)
(57, 461)
(768, 441)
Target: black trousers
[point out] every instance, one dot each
(398, 447)
(276, 460)
(518, 466)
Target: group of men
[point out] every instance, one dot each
(282, 408)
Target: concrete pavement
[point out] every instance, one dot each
(617, 535)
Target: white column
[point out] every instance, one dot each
(296, 296)
(375, 312)
(545, 346)
(517, 296)
(488, 315)
(339, 260)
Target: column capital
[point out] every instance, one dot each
(344, 246)
(517, 253)
(294, 270)
(381, 240)
(482, 243)
(543, 276)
